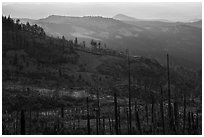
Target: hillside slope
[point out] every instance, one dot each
(32, 58)
(143, 38)
(42, 72)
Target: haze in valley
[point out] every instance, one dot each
(188, 11)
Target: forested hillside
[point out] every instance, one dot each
(52, 85)
(149, 38)
(28, 51)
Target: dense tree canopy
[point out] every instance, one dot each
(33, 40)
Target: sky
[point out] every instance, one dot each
(172, 11)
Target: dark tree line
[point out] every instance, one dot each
(33, 40)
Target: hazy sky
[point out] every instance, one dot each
(183, 11)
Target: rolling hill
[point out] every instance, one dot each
(143, 38)
(197, 24)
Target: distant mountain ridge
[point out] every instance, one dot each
(142, 38)
(197, 24)
(123, 17)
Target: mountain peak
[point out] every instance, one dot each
(56, 16)
(51, 16)
(124, 17)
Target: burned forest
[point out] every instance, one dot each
(61, 85)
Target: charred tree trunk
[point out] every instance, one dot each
(30, 119)
(62, 112)
(169, 94)
(62, 121)
(162, 111)
(16, 131)
(88, 117)
(172, 118)
(119, 121)
(138, 125)
(22, 122)
(37, 116)
(176, 113)
(97, 124)
(98, 114)
(78, 118)
(153, 128)
(192, 123)
(112, 123)
(104, 126)
(58, 122)
(184, 114)
(128, 126)
(197, 123)
(74, 115)
(116, 113)
(189, 123)
(146, 108)
(129, 92)
(109, 121)
(3, 129)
